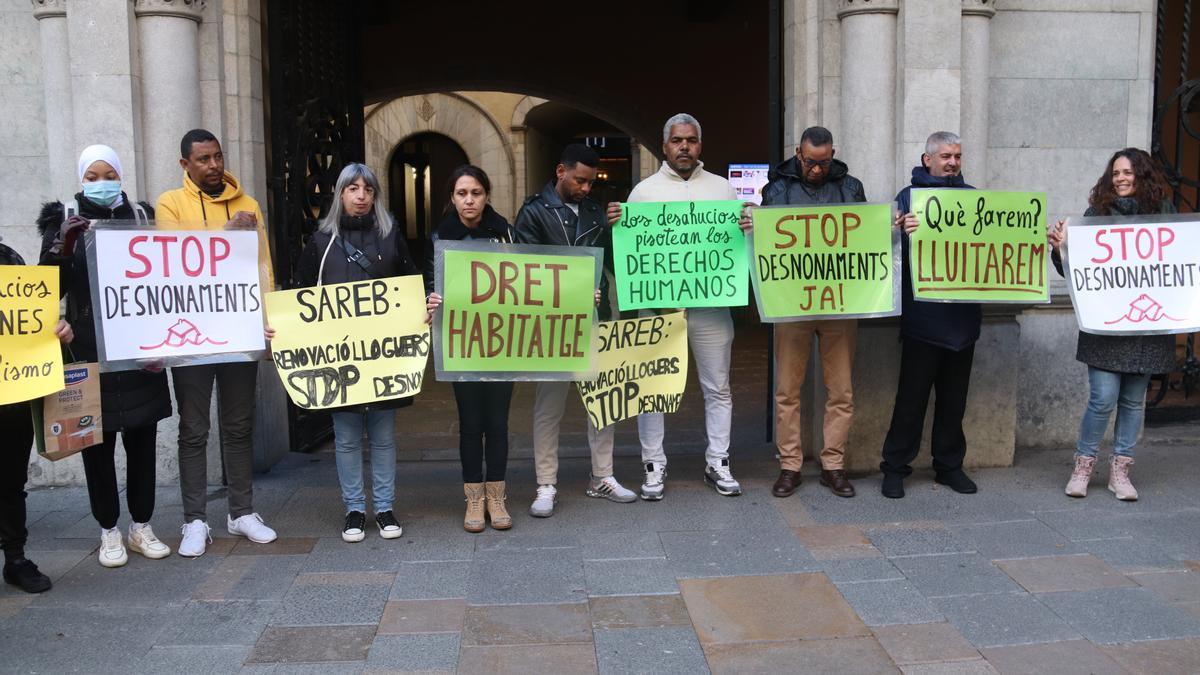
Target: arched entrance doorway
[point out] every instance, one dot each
(417, 175)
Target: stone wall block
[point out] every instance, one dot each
(1082, 46)
(1094, 113)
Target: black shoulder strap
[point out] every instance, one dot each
(356, 256)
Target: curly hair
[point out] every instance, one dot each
(1150, 186)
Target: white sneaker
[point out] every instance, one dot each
(112, 548)
(655, 483)
(142, 540)
(195, 537)
(543, 503)
(608, 488)
(721, 479)
(251, 527)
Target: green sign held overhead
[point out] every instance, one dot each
(816, 262)
(514, 312)
(680, 255)
(979, 246)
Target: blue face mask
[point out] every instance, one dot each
(103, 192)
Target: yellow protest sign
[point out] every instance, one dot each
(30, 359)
(642, 368)
(352, 343)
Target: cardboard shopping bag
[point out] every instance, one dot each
(68, 421)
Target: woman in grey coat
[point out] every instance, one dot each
(1119, 366)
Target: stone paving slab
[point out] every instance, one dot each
(649, 651)
(885, 575)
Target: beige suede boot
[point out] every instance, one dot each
(495, 505)
(473, 521)
(1078, 485)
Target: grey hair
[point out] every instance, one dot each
(681, 118)
(939, 138)
(352, 172)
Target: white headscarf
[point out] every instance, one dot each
(97, 153)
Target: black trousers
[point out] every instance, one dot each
(925, 367)
(483, 428)
(99, 466)
(17, 426)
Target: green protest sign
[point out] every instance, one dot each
(680, 255)
(514, 312)
(979, 246)
(835, 261)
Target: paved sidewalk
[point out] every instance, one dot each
(1017, 579)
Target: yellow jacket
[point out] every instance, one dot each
(190, 208)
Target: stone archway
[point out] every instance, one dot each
(452, 115)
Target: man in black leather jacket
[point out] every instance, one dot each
(563, 214)
(814, 177)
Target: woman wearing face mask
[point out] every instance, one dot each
(1119, 366)
(482, 406)
(358, 241)
(132, 401)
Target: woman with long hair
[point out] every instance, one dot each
(482, 406)
(1119, 366)
(357, 241)
(131, 401)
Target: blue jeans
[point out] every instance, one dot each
(347, 439)
(1124, 391)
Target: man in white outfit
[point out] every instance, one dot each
(710, 330)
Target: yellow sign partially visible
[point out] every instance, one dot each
(352, 343)
(642, 366)
(30, 359)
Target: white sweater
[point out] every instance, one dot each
(667, 186)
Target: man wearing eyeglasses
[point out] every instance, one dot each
(813, 176)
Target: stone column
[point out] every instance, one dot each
(168, 33)
(868, 98)
(976, 73)
(56, 80)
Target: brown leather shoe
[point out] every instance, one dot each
(837, 482)
(787, 483)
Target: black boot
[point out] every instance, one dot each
(956, 480)
(22, 573)
(893, 485)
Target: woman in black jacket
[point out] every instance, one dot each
(132, 401)
(1119, 366)
(482, 406)
(357, 241)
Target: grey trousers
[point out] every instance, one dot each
(193, 397)
(548, 407)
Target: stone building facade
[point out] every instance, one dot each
(1042, 91)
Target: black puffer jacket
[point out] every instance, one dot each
(492, 227)
(389, 257)
(545, 219)
(129, 398)
(1142, 354)
(952, 325)
(787, 186)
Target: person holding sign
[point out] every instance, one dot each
(938, 349)
(563, 214)
(1119, 366)
(710, 330)
(813, 176)
(16, 421)
(482, 406)
(359, 241)
(212, 198)
(132, 401)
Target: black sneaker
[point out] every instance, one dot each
(893, 486)
(23, 574)
(355, 528)
(388, 527)
(956, 480)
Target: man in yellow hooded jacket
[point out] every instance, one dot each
(212, 198)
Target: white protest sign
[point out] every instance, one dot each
(177, 297)
(1135, 276)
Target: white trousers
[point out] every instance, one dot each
(548, 406)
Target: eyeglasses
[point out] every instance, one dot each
(810, 163)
